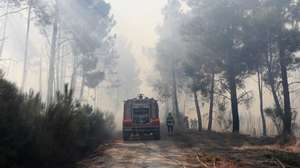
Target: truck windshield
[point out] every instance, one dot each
(140, 115)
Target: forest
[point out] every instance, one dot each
(66, 67)
(223, 44)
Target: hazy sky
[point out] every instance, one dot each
(137, 21)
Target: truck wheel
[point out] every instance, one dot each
(157, 135)
(126, 136)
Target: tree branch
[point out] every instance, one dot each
(245, 93)
(224, 86)
(13, 12)
(296, 82)
(219, 94)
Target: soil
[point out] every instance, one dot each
(193, 149)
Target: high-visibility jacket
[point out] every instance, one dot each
(170, 121)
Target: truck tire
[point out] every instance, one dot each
(156, 135)
(126, 136)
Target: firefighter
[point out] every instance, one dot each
(186, 122)
(194, 123)
(170, 124)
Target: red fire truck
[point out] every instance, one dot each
(141, 117)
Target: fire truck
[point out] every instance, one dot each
(141, 117)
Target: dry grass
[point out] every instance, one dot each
(231, 150)
(212, 161)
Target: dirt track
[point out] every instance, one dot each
(192, 150)
(145, 154)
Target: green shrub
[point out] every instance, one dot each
(35, 136)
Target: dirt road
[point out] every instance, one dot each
(144, 154)
(192, 150)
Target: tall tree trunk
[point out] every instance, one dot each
(234, 104)
(62, 68)
(278, 107)
(25, 68)
(272, 83)
(95, 98)
(58, 62)
(261, 105)
(74, 73)
(175, 99)
(81, 88)
(276, 99)
(211, 102)
(287, 122)
(41, 72)
(271, 80)
(198, 111)
(4, 30)
(52, 58)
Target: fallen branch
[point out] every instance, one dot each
(200, 161)
(280, 163)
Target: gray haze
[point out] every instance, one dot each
(137, 24)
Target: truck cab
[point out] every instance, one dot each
(141, 117)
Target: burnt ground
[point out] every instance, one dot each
(195, 149)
